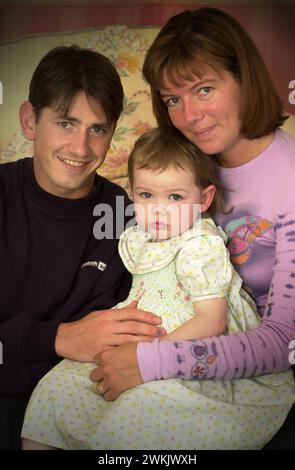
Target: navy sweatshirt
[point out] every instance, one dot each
(51, 271)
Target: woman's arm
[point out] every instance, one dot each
(262, 350)
(209, 320)
(259, 351)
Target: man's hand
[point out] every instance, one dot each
(117, 370)
(100, 330)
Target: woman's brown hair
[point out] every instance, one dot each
(208, 36)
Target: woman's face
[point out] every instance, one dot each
(207, 111)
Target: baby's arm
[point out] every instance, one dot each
(210, 320)
(203, 270)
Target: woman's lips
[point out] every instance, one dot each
(204, 132)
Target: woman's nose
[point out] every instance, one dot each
(192, 111)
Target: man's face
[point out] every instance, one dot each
(69, 149)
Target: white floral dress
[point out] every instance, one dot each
(66, 412)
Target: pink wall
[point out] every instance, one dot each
(272, 28)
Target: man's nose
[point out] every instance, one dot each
(79, 143)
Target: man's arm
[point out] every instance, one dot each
(210, 320)
(101, 330)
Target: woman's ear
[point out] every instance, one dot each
(27, 119)
(207, 197)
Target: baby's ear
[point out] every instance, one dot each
(129, 190)
(27, 119)
(207, 197)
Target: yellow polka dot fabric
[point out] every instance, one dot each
(65, 411)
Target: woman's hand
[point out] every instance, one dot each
(117, 370)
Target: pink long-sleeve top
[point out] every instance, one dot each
(261, 230)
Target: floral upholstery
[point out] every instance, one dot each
(125, 46)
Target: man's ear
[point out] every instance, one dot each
(27, 119)
(207, 197)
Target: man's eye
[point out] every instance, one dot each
(98, 130)
(64, 124)
(175, 197)
(145, 195)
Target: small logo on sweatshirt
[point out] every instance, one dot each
(95, 264)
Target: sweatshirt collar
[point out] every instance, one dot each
(82, 207)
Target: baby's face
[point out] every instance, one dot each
(168, 202)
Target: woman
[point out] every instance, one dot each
(209, 81)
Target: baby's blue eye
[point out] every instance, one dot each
(175, 197)
(146, 195)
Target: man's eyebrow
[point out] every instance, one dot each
(74, 119)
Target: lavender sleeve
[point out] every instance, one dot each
(262, 350)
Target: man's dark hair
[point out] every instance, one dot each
(66, 70)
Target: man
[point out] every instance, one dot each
(57, 281)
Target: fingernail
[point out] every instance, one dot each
(161, 332)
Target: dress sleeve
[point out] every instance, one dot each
(203, 267)
(263, 350)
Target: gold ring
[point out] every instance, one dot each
(100, 388)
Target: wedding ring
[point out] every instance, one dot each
(100, 388)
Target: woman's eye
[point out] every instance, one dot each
(172, 101)
(175, 197)
(205, 90)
